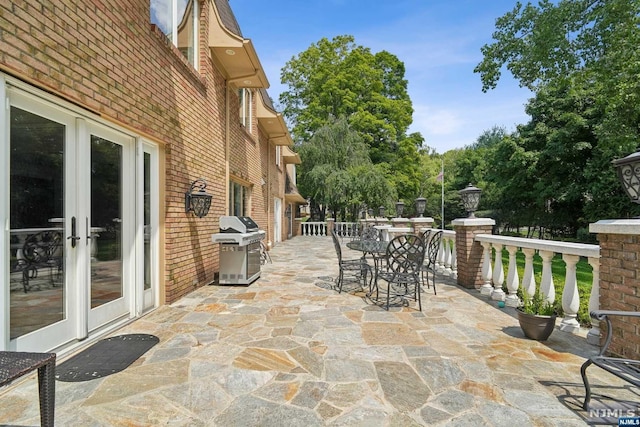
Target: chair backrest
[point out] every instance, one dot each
(336, 244)
(433, 248)
(42, 247)
(426, 236)
(370, 233)
(405, 254)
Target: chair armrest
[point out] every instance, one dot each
(605, 315)
(602, 314)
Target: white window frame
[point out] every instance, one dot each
(245, 96)
(173, 35)
(278, 155)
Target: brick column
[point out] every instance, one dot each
(468, 251)
(330, 225)
(620, 282)
(419, 223)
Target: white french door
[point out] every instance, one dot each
(109, 218)
(82, 225)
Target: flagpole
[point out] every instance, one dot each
(442, 195)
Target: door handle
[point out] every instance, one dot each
(74, 238)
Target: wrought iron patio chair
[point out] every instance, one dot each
(265, 257)
(354, 269)
(430, 259)
(40, 251)
(401, 274)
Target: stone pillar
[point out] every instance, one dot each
(296, 229)
(620, 281)
(468, 251)
(330, 225)
(420, 223)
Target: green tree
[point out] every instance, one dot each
(336, 171)
(588, 49)
(337, 78)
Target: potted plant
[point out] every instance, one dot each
(537, 317)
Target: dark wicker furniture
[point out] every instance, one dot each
(14, 364)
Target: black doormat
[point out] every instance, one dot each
(105, 357)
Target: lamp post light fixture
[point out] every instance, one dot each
(629, 175)
(399, 208)
(381, 211)
(197, 200)
(421, 204)
(370, 212)
(470, 199)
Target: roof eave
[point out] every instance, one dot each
(235, 54)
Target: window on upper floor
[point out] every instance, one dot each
(278, 155)
(245, 97)
(178, 20)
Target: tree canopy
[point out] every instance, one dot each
(337, 172)
(580, 58)
(337, 78)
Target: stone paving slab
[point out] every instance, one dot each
(288, 350)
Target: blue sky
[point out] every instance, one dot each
(438, 41)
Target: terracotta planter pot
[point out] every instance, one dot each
(535, 326)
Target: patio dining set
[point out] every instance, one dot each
(392, 272)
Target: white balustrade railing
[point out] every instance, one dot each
(347, 229)
(571, 253)
(448, 245)
(310, 228)
(320, 229)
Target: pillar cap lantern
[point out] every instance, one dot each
(421, 204)
(399, 208)
(629, 175)
(470, 199)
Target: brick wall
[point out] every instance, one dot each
(110, 60)
(619, 285)
(469, 255)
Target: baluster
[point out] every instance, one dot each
(447, 256)
(486, 288)
(454, 260)
(498, 275)
(440, 263)
(528, 279)
(593, 336)
(513, 279)
(570, 297)
(547, 287)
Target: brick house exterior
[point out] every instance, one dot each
(206, 113)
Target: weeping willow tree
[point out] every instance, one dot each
(337, 173)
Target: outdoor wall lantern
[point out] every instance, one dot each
(421, 204)
(370, 212)
(470, 199)
(629, 175)
(399, 209)
(381, 211)
(197, 200)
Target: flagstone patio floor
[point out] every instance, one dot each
(288, 350)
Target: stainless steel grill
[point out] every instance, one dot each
(239, 240)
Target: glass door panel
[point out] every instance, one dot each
(37, 222)
(106, 221)
(147, 221)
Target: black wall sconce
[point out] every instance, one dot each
(197, 200)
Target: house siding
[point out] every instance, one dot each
(108, 59)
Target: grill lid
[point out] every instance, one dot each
(237, 224)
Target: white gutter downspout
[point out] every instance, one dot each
(227, 143)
